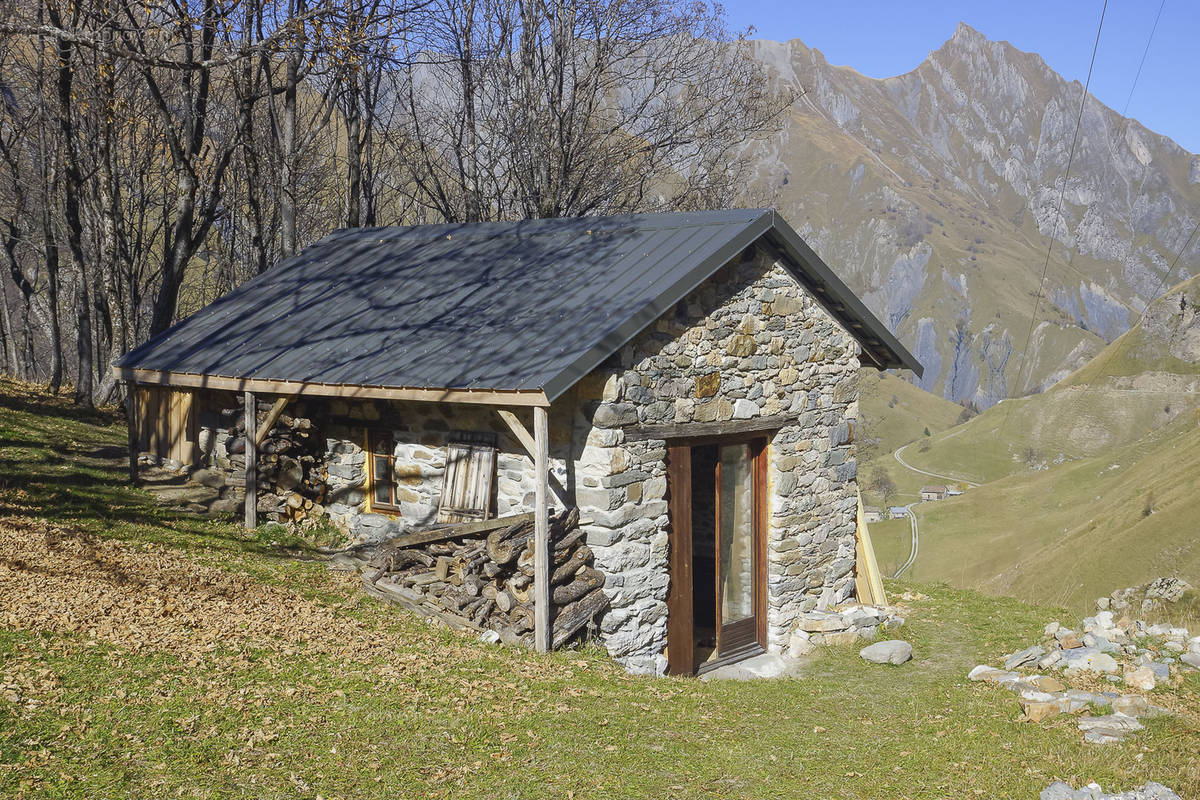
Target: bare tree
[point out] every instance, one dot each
(540, 109)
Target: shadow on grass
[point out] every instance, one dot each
(67, 465)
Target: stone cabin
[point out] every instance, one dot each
(690, 381)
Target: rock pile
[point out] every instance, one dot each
(1147, 596)
(1128, 652)
(840, 625)
(1062, 791)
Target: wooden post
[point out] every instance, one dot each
(131, 420)
(541, 532)
(251, 412)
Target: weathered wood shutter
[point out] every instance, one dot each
(467, 483)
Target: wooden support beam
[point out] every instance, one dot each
(272, 418)
(541, 535)
(522, 435)
(518, 430)
(251, 416)
(491, 397)
(131, 420)
(457, 529)
(697, 430)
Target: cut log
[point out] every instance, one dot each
(586, 580)
(505, 545)
(504, 601)
(569, 567)
(573, 618)
(570, 540)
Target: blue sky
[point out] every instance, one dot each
(881, 39)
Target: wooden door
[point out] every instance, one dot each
(681, 637)
(739, 484)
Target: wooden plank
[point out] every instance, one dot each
(183, 421)
(449, 618)
(680, 633)
(541, 536)
(491, 397)
(454, 530)
(131, 402)
(868, 582)
(162, 423)
(251, 411)
(272, 418)
(701, 430)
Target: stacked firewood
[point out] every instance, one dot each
(291, 474)
(485, 581)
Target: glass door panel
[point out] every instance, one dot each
(735, 546)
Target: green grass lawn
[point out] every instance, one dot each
(145, 653)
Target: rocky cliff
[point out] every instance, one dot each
(934, 194)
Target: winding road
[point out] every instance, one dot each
(912, 554)
(912, 518)
(907, 465)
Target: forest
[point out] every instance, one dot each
(156, 154)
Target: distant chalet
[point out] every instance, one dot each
(687, 381)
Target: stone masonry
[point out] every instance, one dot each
(748, 342)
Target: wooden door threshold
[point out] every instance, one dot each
(741, 654)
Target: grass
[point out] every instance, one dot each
(149, 654)
(892, 540)
(1077, 530)
(893, 412)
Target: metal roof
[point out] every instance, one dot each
(500, 306)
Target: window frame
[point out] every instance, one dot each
(374, 438)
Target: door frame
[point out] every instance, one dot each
(681, 636)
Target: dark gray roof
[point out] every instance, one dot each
(498, 306)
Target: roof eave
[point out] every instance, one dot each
(427, 394)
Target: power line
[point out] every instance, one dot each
(1061, 196)
(1024, 357)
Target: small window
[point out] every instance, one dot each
(383, 471)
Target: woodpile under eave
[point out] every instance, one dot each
(484, 582)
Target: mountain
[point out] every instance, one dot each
(934, 194)
(1092, 486)
(1141, 383)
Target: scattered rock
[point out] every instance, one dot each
(893, 651)
(1023, 657)
(1142, 679)
(1063, 791)
(1108, 728)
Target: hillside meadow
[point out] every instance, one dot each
(149, 653)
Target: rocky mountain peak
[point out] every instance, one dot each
(935, 194)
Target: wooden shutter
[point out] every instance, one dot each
(467, 482)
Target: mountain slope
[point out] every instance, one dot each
(1093, 485)
(1140, 383)
(934, 194)
(1077, 530)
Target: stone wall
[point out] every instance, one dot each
(421, 433)
(747, 343)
